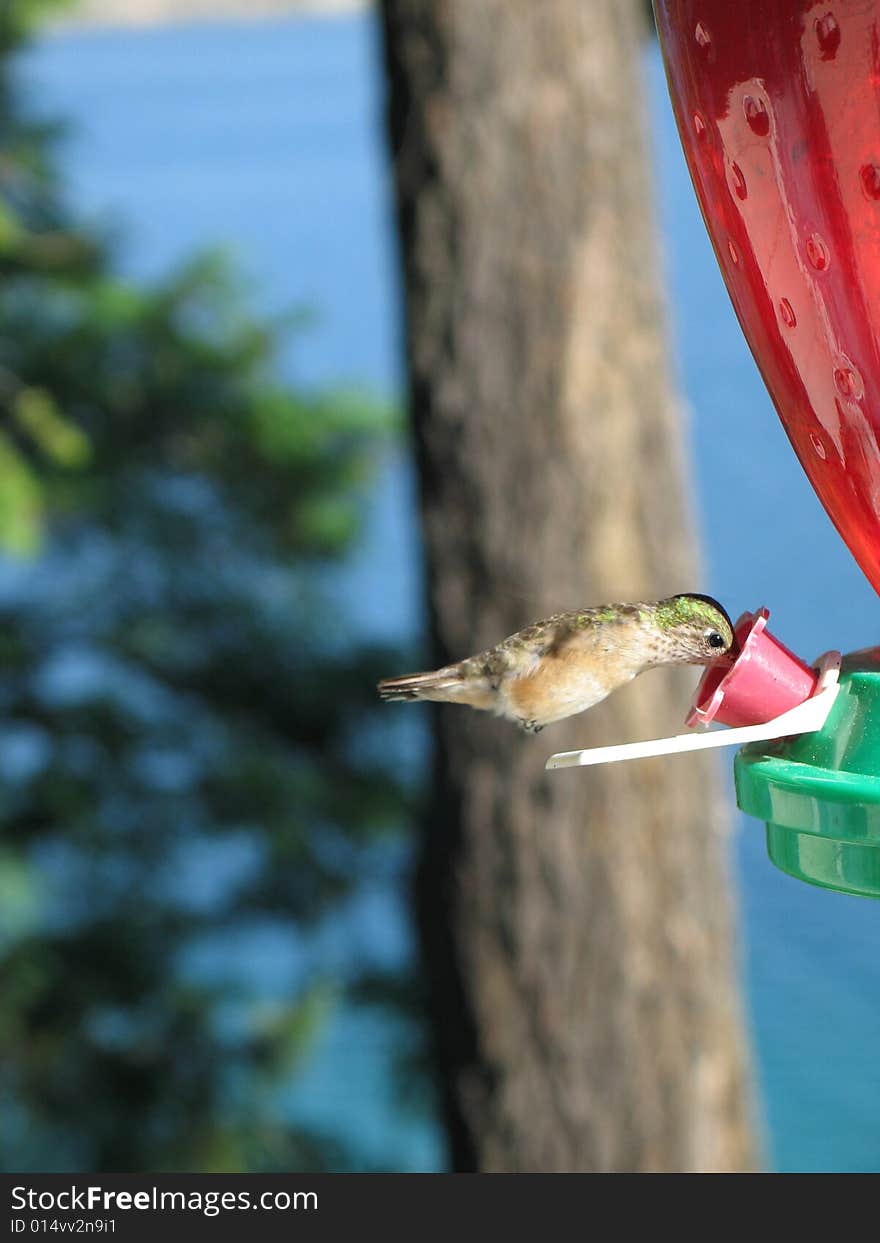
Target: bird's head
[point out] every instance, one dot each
(693, 630)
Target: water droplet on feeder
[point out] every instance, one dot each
(756, 114)
(869, 175)
(827, 36)
(817, 252)
(848, 381)
(786, 313)
(733, 252)
(738, 181)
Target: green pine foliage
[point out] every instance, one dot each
(182, 696)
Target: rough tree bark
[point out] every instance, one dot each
(576, 926)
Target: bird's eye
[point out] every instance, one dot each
(714, 639)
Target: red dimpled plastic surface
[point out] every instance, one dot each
(778, 106)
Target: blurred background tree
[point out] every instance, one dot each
(182, 697)
(576, 927)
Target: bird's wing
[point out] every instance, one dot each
(518, 655)
(594, 629)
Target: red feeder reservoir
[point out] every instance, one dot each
(778, 107)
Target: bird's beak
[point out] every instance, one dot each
(728, 659)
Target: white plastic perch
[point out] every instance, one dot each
(806, 718)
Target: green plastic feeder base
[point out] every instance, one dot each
(820, 793)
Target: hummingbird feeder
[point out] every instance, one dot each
(776, 103)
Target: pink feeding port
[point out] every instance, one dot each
(765, 679)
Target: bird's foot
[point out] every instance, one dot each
(531, 727)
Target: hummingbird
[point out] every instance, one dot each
(572, 661)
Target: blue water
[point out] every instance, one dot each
(266, 139)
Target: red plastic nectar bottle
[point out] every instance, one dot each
(778, 106)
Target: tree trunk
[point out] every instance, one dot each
(576, 926)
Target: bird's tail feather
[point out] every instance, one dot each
(413, 686)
